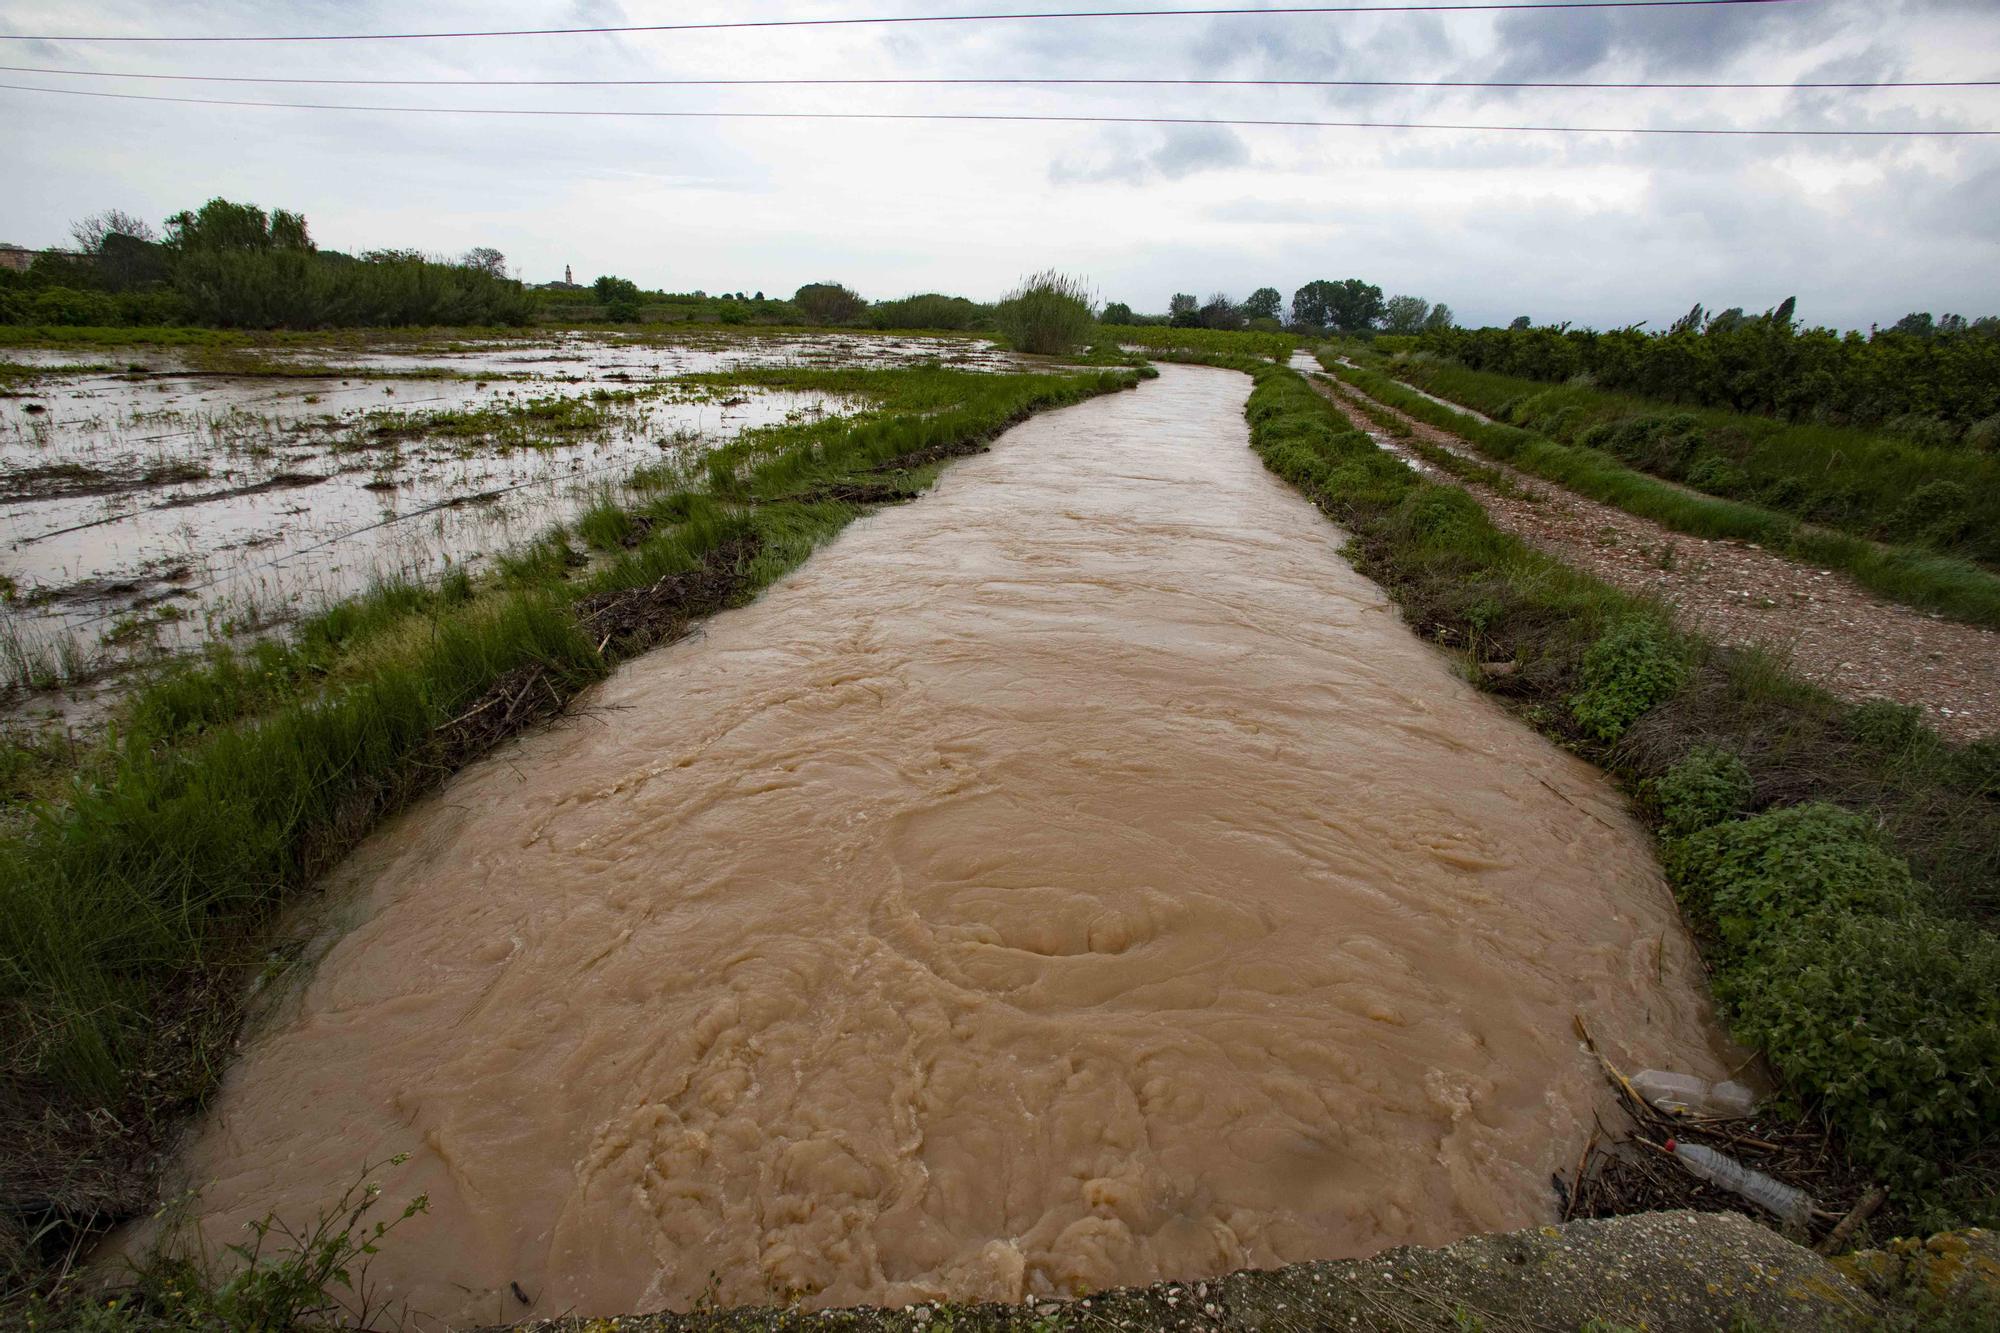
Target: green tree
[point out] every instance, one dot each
(1117, 313)
(1522, 323)
(610, 290)
(1350, 306)
(1405, 314)
(1264, 303)
(486, 259)
(829, 303)
(220, 225)
(1219, 312)
(1440, 317)
(1183, 311)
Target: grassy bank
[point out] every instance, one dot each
(1868, 483)
(1170, 341)
(1837, 862)
(1915, 577)
(136, 901)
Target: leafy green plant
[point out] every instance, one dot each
(1634, 666)
(1710, 784)
(1891, 1026)
(1796, 861)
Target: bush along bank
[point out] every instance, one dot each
(1837, 863)
(1913, 576)
(136, 906)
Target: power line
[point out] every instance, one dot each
(1856, 84)
(1422, 7)
(990, 117)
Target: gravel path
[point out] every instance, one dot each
(1832, 632)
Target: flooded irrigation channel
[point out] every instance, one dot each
(148, 505)
(1075, 877)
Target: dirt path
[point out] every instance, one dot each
(1848, 642)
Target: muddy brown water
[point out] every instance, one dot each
(1078, 876)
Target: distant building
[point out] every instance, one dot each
(568, 283)
(15, 257)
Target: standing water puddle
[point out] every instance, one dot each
(1077, 877)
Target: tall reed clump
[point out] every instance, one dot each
(1049, 314)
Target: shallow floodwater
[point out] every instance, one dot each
(147, 504)
(1078, 876)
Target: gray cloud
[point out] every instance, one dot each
(1180, 151)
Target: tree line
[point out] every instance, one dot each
(1352, 307)
(232, 265)
(1935, 379)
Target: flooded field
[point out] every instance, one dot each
(148, 503)
(1076, 877)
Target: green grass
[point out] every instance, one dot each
(1867, 483)
(1848, 939)
(151, 873)
(1915, 577)
(1201, 343)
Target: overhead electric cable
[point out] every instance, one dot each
(1008, 117)
(998, 82)
(1420, 7)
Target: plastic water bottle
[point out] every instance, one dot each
(1791, 1205)
(1685, 1092)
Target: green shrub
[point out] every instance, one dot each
(1749, 874)
(1707, 786)
(1633, 666)
(1891, 1026)
(1441, 516)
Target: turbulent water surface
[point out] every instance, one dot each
(1076, 877)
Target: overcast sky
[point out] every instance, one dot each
(1600, 229)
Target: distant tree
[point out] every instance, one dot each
(758, 297)
(1219, 312)
(1350, 306)
(1264, 303)
(90, 233)
(1183, 311)
(611, 290)
(1692, 322)
(1782, 316)
(1405, 314)
(1949, 325)
(1439, 318)
(1728, 321)
(1523, 322)
(486, 259)
(1116, 313)
(220, 225)
(829, 303)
